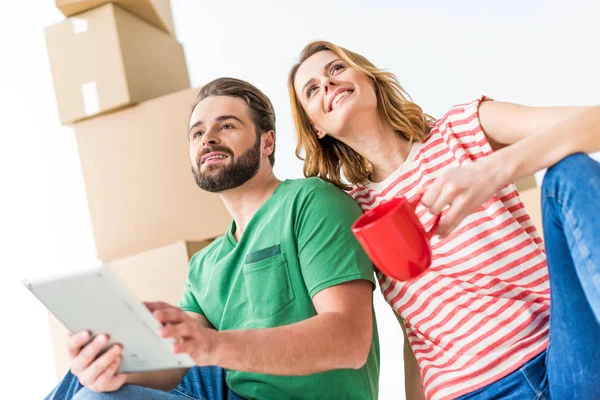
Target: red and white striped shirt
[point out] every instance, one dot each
(482, 309)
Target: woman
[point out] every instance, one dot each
(479, 321)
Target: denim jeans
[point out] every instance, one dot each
(200, 383)
(570, 367)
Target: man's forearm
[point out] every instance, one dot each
(165, 380)
(321, 343)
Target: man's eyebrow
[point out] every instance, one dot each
(325, 68)
(229, 116)
(193, 126)
(218, 119)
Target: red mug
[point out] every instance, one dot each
(394, 239)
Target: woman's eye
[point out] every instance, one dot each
(311, 90)
(336, 68)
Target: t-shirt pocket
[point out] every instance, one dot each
(267, 281)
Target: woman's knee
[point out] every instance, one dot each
(570, 169)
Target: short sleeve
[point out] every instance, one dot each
(462, 131)
(189, 301)
(328, 252)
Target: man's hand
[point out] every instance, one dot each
(99, 374)
(191, 336)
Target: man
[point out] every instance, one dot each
(282, 303)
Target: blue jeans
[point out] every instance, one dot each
(200, 383)
(570, 367)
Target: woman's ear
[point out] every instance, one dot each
(320, 134)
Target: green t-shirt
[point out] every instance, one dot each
(298, 243)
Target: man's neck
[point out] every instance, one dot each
(243, 201)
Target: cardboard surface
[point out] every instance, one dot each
(157, 12)
(107, 58)
(526, 183)
(137, 172)
(155, 275)
(532, 199)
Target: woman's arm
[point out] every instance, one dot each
(526, 140)
(412, 377)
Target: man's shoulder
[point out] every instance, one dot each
(311, 186)
(318, 195)
(207, 251)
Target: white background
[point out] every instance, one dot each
(530, 52)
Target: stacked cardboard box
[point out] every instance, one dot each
(140, 188)
(157, 12)
(121, 82)
(531, 197)
(107, 58)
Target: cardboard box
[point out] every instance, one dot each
(137, 172)
(155, 275)
(532, 199)
(526, 183)
(157, 12)
(107, 58)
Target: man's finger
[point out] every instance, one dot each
(157, 305)
(184, 346)
(87, 355)
(101, 364)
(76, 341)
(109, 380)
(170, 316)
(182, 330)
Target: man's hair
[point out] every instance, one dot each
(260, 108)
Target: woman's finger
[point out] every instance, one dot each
(432, 192)
(451, 218)
(445, 198)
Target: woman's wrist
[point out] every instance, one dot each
(502, 167)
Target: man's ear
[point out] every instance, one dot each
(268, 142)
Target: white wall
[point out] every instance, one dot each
(535, 52)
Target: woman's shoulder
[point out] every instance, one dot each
(460, 113)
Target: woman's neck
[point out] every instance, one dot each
(383, 147)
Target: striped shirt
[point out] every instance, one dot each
(482, 309)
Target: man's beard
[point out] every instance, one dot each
(239, 171)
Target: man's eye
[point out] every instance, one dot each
(227, 126)
(198, 134)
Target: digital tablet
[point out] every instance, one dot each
(95, 299)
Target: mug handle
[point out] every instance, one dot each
(436, 221)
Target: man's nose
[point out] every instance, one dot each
(210, 138)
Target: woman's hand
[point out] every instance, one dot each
(463, 190)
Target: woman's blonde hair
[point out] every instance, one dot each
(328, 157)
